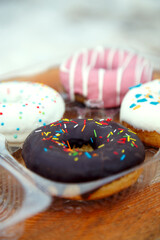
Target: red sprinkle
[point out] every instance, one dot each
(116, 153)
(109, 119)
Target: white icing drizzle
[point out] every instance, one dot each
(110, 58)
(100, 83)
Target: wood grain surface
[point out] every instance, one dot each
(131, 218)
(134, 217)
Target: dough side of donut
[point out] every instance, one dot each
(148, 138)
(110, 188)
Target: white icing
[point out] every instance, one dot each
(25, 106)
(142, 115)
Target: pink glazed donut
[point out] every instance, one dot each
(103, 75)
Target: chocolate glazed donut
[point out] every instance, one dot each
(57, 152)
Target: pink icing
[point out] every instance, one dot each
(104, 75)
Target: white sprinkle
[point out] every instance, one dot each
(40, 130)
(75, 125)
(65, 126)
(115, 130)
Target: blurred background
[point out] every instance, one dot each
(38, 34)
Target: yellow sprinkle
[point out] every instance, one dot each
(58, 134)
(55, 138)
(66, 119)
(46, 133)
(133, 139)
(90, 119)
(98, 123)
(136, 107)
(123, 150)
(76, 159)
(101, 146)
(111, 133)
(131, 131)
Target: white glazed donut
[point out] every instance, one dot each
(103, 75)
(25, 106)
(140, 110)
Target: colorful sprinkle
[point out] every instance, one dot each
(95, 134)
(142, 100)
(136, 107)
(122, 157)
(88, 155)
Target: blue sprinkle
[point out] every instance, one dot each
(88, 155)
(142, 100)
(136, 86)
(123, 157)
(45, 149)
(154, 103)
(150, 96)
(3, 105)
(132, 105)
(44, 124)
(91, 140)
(17, 129)
(40, 120)
(2, 124)
(60, 131)
(138, 95)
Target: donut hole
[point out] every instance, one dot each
(81, 145)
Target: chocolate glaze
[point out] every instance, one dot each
(48, 150)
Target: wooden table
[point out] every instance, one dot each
(135, 217)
